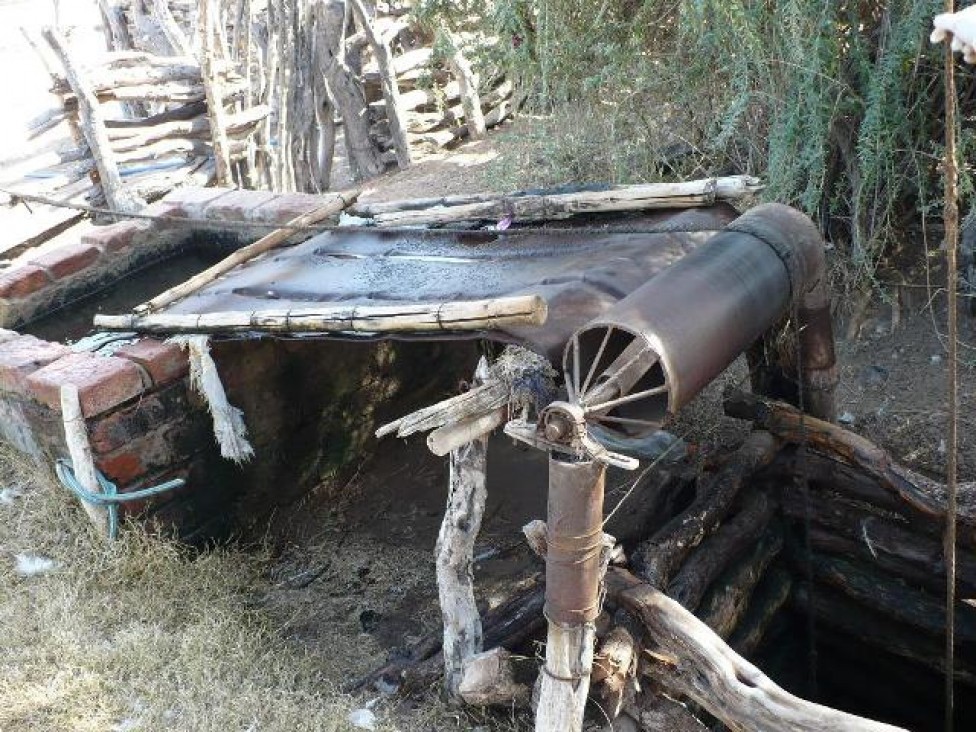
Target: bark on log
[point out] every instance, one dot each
(209, 57)
(922, 494)
(329, 25)
(889, 596)
(391, 92)
(839, 526)
(767, 600)
(454, 552)
(93, 126)
(705, 669)
(468, 80)
(721, 549)
(508, 625)
(729, 599)
(656, 712)
(833, 610)
(622, 198)
(657, 559)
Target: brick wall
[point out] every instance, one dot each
(310, 406)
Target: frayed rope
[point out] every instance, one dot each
(228, 421)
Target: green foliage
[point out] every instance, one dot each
(837, 104)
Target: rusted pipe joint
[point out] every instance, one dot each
(574, 541)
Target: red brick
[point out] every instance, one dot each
(237, 205)
(20, 357)
(103, 382)
(116, 237)
(285, 207)
(123, 467)
(22, 281)
(68, 260)
(192, 201)
(165, 362)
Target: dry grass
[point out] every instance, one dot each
(143, 635)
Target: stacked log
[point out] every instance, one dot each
(722, 559)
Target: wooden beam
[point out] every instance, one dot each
(93, 126)
(401, 317)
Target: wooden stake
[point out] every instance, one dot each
(391, 92)
(455, 549)
(93, 126)
(79, 448)
(403, 317)
(244, 254)
(209, 15)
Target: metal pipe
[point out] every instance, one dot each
(700, 314)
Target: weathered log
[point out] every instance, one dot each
(419, 317)
(833, 610)
(182, 113)
(93, 126)
(489, 680)
(888, 596)
(769, 597)
(171, 29)
(614, 665)
(701, 666)
(889, 541)
(728, 600)
(560, 205)
(657, 559)
(391, 92)
(265, 244)
(508, 625)
(451, 436)
(329, 25)
(468, 81)
(922, 494)
(655, 712)
(454, 554)
(482, 399)
(720, 550)
(210, 16)
(237, 125)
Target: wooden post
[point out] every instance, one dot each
(329, 23)
(171, 29)
(574, 569)
(391, 92)
(93, 127)
(455, 549)
(209, 14)
(474, 119)
(79, 448)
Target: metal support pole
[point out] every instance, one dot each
(574, 572)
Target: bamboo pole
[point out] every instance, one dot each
(93, 126)
(534, 207)
(262, 245)
(401, 317)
